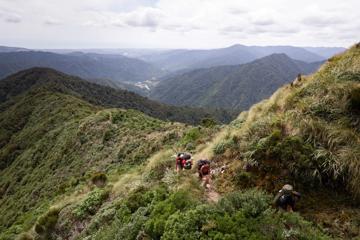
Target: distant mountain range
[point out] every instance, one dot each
(12, 49)
(100, 68)
(237, 54)
(49, 80)
(229, 86)
(232, 87)
(325, 52)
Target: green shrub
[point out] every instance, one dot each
(109, 134)
(251, 202)
(139, 198)
(230, 142)
(178, 201)
(219, 148)
(349, 76)
(191, 136)
(132, 214)
(47, 222)
(158, 171)
(99, 179)
(25, 236)
(91, 203)
(209, 122)
(239, 215)
(186, 224)
(243, 179)
(355, 99)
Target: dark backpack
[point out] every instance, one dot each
(285, 198)
(185, 156)
(188, 164)
(201, 162)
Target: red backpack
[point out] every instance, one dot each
(205, 169)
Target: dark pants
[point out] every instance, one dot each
(285, 201)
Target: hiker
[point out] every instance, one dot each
(183, 161)
(285, 199)
(204, 172)
(297, 81)
(203, 168)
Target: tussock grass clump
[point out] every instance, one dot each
(230, 142)
(158, 165)
(99, 179)
(354, 101)
(25, 236)
(46, 223)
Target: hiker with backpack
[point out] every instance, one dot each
(285, 199)
(204, 172)
(183, 161)
(203, 168)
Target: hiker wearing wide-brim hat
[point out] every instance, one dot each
(285, 199)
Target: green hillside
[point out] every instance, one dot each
(115, 68)
(52, 144)
(74, 170)
(38, 79)
(233, 86)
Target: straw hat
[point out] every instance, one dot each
(287, 187)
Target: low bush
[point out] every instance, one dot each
(46, 223)
(238, 215)
(349, 76)
(155, 225)
(190, 137)
(229, 143)
(99, 179)
(109, 134)
(91, 203)
(243, 179)
(25, 236)
(209, 122)
(355, 100)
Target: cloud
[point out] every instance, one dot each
(180, 23)
(322, 21)
(52, 22)
(12, 19)
(146, 17)
(263, 22)
(237, 11)
(9, 16)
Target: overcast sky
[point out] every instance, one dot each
(177, 23)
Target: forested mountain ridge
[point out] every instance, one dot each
(231, 87)
(51, 80)
(174, 60)
(90, 66)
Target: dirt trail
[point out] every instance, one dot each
(211, 194)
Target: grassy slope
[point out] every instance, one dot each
(307, 135)
(52, 143)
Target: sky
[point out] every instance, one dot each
(178, 23)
